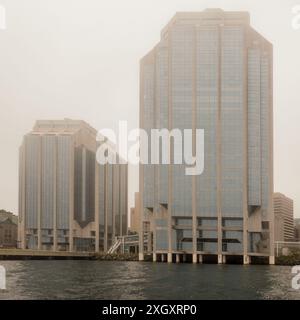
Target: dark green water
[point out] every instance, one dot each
(136, 280)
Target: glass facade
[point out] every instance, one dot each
(254, 127)
(102, 205)
(32, 144)
(207, 77)
(84, 175)
(162, 121)
(58, 190)
(112, 203)
(210, 71)
(64, 145)
(232, 121)
(182, 63)
(48, 181)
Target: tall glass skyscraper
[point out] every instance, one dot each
(67, 201)
(211, 70)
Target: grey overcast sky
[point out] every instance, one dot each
(80, 59)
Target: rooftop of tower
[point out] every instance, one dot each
(68, 126)
(62, 126)
(210, 16)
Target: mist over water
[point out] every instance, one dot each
(137, 280)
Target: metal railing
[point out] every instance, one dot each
(126, 241)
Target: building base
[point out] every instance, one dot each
(141, 257)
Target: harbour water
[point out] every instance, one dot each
(144, 280)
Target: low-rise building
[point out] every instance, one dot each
(297, 229)
(8, 229)
(284, 217)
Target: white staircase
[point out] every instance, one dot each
(115, 246)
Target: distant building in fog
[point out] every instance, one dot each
(134, 215)
(284, 217)
(297, 229)
(8, 229)
(67, 201)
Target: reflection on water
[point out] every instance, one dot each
(136, 280)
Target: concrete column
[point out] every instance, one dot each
(219, 150)
(200, 258)
(224, 259)
(54, 197)
(154, 257)
(149, 242)
(220, 259)
(105, 243)
(246, 259)
(195, 258)
(245, 157)
(272, 260)
(97, 184)
(184, 257)
(40, 195)
(162, 257)
(194, 126)
(141, 256)
(141, 183)
(23, 190)
(170, 149)
(177, 258)
(71, 196)
(170, 258)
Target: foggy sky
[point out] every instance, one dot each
(80, 60)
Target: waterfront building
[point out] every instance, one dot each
(211, 70)
(297, 229)
(8, 229)
(67, 201)
(284, 217)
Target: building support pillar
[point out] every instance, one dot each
(23, 213)
(97, 226)
(246, 259)
(200, 258)
(220, 259)
(177, 258)
(154, 257)
(184, 257)
(71, 196)
(141, 256)
(170, 260)
(39, 196)
(55, 197)
(272, 260)
(195, 258)
(224, 259)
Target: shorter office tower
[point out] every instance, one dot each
(284, 217)
(67, 201)
(8, 229)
